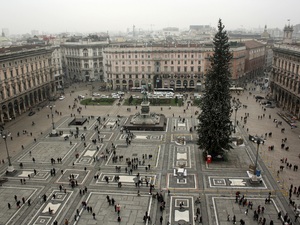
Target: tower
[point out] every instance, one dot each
(287, 34)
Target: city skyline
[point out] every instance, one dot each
(97, 16)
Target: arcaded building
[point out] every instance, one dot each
(26, 79)
(179, 66)
(285, 75)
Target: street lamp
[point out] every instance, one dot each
(236, 106)
(258, 142)
(10, 167)
(53, 133)
(51, 108)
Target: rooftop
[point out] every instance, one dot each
(253, 44)
(292, 47)
(19, 48)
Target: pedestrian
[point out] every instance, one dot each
(161, 219)
(9, 206)
(94, 216)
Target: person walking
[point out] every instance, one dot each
(161, 219)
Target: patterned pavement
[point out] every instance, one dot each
(91, 165)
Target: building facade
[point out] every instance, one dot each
(285, 77)
(255, 59)
(26, 79)
(57, 69)
(83, 60)
(182, 66)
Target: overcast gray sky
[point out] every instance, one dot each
(22, 16)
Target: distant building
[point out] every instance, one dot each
(288, 32)
(4, 41)
(265, 35)
(83, 59)
(255, 59)
(179, 66)
(171, 31)
(35, 32)
(242, 37)
(201, 28)
(285, 75)
(26, 79)
(5, 32)
(57, 68)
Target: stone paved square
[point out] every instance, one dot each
(79, 175)
(7, 196)
(42, 152)
(223, 206)
(132, 209)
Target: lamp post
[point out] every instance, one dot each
(10, 167)
(53, 133)
(236, 106)
(258, 142)
(51, 108)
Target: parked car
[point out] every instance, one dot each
(259, 97)
(256, 138)
(270, 105)
(61, 98)
(96, 95)
(81, 96)
(31, 113)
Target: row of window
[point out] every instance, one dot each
(16, 72)
(17, 62)
(185, 56)
(190, 83)
(291, 84)
(288, 66)
(157, 69)
(172, 62)
(149, 76)
(13, 89)
(85, 52)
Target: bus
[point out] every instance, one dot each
(136, 89)
(236, 89)
(164, 90)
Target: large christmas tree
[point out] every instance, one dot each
(214, 127)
